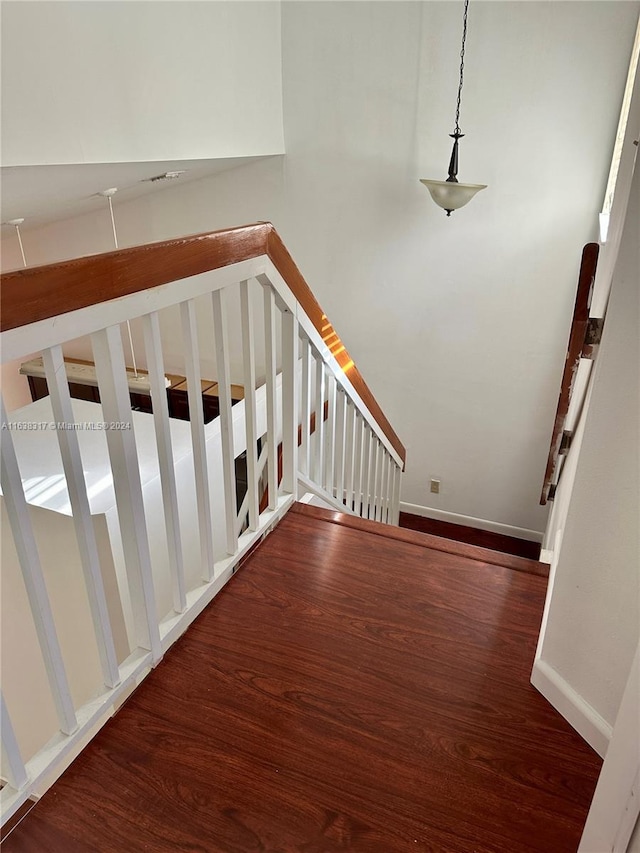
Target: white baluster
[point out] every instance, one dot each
(270, 367)
(248, 357)
(357, 463)
(318, 459)
(12, 761)
(395, 470)
(379, 484)
(226, 417)
(379, 473)
(155, 366)
(198, 443)
(305, 446)
(85, 533)
(396, 495)
(390, 490)
(380, 490)
(384, 503)
(338, 475)
(123, 456)
(392, 474)
(244, 509)
(350, 421)
(375, 464)
(330, 431)
(27, 550)
(289, 402)
(366, 470)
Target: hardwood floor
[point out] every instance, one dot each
(345, 692)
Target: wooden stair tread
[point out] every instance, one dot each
(426, 540)
(335, 696)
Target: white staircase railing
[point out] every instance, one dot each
(122, 525)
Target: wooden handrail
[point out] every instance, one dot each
(38, 293)
(577, 348)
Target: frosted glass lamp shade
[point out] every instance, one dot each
(451, 195)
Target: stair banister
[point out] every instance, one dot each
(173, 535)
(37, 293)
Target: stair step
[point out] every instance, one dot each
(426, 540)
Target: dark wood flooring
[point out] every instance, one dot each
(471, 535)
(346, 691)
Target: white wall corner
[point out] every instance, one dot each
(573, 707)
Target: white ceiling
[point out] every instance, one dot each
(43, 194)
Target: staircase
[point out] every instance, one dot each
(355, 687)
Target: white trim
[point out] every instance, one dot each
(619, 185)
(620, 134)
(11, 755)
(615, 806)
(556, 690)
(221, 346)
(470, 521)
(576, 710)
(318, 492)
(553, 564)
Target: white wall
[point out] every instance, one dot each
(104, 82)
(594, 611)
(29, 699)
(614, 810)
(459, 325)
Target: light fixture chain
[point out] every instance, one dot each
(464, 39)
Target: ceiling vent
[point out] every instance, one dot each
(165, 176)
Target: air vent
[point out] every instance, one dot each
(165, 176)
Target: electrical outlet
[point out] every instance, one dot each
(435, 486)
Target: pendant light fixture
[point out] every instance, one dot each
(451, 194)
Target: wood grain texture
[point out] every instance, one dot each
(427, 540)
(344, 692)
(9, 825)
(471, 535)
(575, 350)
(36, 293)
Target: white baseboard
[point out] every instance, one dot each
(470, 521)
(576, 710)
(556, 690)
